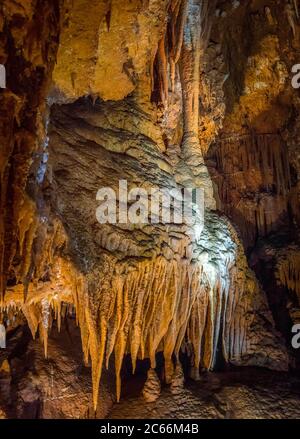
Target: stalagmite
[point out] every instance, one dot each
(177, 382)
(152, 387)
(263, 151)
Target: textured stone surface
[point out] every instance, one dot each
(28, 44)
(244, 395)
(112, 52)
(57, 387)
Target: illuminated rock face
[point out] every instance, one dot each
(154, 287)
(131, 99)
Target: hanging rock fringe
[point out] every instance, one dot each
(170, 46)
(288, 271)
(247, 160)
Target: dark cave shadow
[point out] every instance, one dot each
(18, 340)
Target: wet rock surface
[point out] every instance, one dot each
(244, 394)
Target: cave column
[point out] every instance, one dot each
(196, 34)
(190, 72)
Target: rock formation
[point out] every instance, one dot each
(166, 95)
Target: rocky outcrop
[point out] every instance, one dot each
(112, 54)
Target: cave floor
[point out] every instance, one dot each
(241, 394)
(60, 387)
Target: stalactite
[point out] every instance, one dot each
(21, 111)
(291, 15)
(264, 152)
(288, 271)
(296, 8)
(108, 15)
(177, 22)
(259, 165)
(196, 36)
(149, 309)
(182, 13)
(162, 70)
(27, 225)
